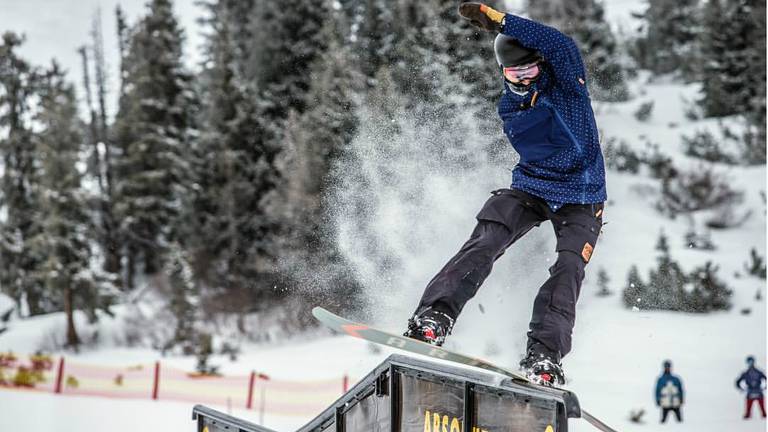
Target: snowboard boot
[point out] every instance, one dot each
(430, 326)
(542, 366)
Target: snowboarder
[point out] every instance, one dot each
(547, 117)
(753, 378)
(669, 393)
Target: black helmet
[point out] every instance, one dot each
(667, 364)
(509, 52)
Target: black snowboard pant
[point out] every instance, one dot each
(665, 412)
(507, 216)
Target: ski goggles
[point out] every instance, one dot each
(517, 74)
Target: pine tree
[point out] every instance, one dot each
(18, 190)
(734, 72)
(64, 239)
(288, 40)
(708, 293)
(636, 292)
(755, 141)
(374, 36)
(671, 34)
(153, 131)
(602, 282)
(122, 45)
(183, 298)
(666, 283)
(234, 168)
(101, 147)
(584, 21)
(756, 266)
(315, 142)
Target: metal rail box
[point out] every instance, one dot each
(405, 394)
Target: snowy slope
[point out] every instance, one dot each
(617, 353)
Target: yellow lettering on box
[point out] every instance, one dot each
(455, 425)
(427, 427)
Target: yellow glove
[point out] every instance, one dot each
(482, 16)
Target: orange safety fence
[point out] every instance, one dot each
(159, 381)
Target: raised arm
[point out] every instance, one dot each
(559, 50)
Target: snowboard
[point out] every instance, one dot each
(363, 331)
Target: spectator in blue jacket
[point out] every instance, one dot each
(547, 116)
(669, 393)
(753, 378)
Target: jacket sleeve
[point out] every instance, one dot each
(659, 385)
(682, 392)
(559, 50)
(739, 381)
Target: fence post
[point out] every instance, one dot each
(249, 403)
(345, 383)
(157, 381)
(59, 375)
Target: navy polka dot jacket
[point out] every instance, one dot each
(553, 127)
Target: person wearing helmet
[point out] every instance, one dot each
(547, 117)
(669, 393)
(753, 378)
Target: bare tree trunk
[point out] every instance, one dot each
(111, 240)
(73, 341)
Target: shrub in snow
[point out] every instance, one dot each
(692, 110)
(725, 217)
(695, 240)
(670, 288)
(754, 145)
(602, 283)
(704, 145)
(756, 265)
(658, 163)
(229, 350)
(621, 157)
(644, 112)
(698, 189)
(708, 293)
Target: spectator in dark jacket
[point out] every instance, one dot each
(669, 393)
(753, 379)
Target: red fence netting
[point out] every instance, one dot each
(163, 382)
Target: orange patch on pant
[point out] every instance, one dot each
(586, 253)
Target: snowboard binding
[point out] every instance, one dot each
(430, 326)
(543, 367)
